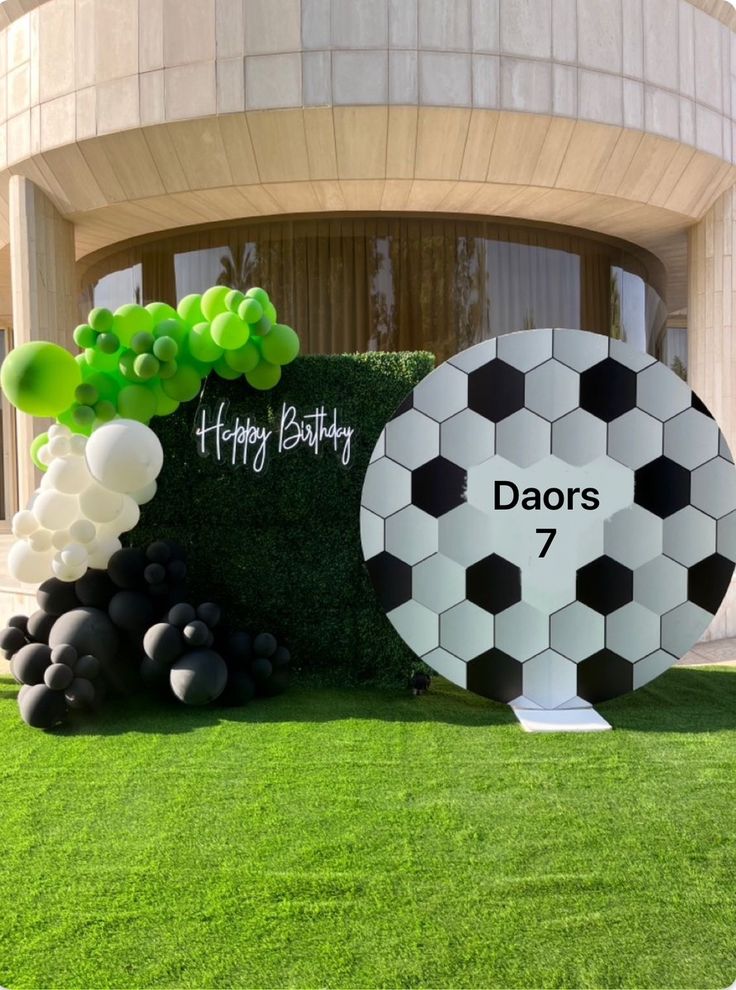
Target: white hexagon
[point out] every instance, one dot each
(628, 356)
(465, 535)
(579, 351)
(521, 631)
(371, 533)
(442, 393)
(723, 449)
(417, 626)
(523, 438)
(635, 439)
(467, 439)
(633, 536)
(661, 393)
(552, 390)
(690, 438)
(412, 439)
(683, 627)
(688, 536)
(632, 631)
(660, 585)
(713, 488)
(549, 679)
(438, 583)
(447, 665)
(726, 536)
(648, 668)
(475, 357)
(577, 632)
(387, 487)
(525, 352)
(579, 438)
(466, 631)
(411, 535)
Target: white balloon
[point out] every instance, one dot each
(60, 539)
(55, 510)
(74, 555)
(59, 430)
(67, 474)
(82, 531)
(144, 495)
(44, 454)
(41, 540)
(26, 565)
(104, 549)
(124, 455)
(100, 504)
(24, 523)
(59, 447)
(128, 517)
(66, 572)
(78, 444)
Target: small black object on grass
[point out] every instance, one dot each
(420, 683)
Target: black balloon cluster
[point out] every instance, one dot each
(130, 626)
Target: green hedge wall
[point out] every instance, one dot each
(281, 550)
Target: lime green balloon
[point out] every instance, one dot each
(167, 369)
(213, 301)
(223, 369)
(184, 385)
(229, 332)
(258, 293)
(36, 444)
(126, 366)
(262, 327)
(108, 343)
(264, 376)
(233, 299)
(107, 387)
(142, 343)
(86, 394)
(201, 345)
(190, 309)
(165, 405)
(245, 358)
(83, 416)
(165, 348)
(161, 311)
(281, 345)
(250, 310)
(84, 335)
(99, 360)
(137, 402)
(130, 320)
(105, 411)
(84, 366)
(146, 366)
(177, 329)
(67, 418)
(39, 378)
(269, 310)
(100, 319)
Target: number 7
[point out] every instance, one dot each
(551, 533)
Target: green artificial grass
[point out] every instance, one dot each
(329, 838)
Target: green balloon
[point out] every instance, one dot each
(106, 386)
(67, 419)
(105, 411)
(101, 361)
(83, 415)
(84, 366)
(84, 336)
(126, 367)
(39, 378)
(201, 345)
(130, 320)
(190, 309)
(263, 326)
(213, 301)
(146, 366)
(245, 358)
(165, 348)
(233, 299)
(165, 405)
(264, 376)
(142, 343)
(137, 402)
(269, 310)
(176, 329)
(36, 444)
(86, 394)
(250, 310)
(229, 332)
(100, 319)
(108, 343)
(281, 345)
(258, 293)
(184, 385)
(223, 369)
(161, 311)
(167, 369)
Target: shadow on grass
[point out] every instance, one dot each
(681, 700)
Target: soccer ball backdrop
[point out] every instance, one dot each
(550, 518)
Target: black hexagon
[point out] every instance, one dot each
(405, 406)
(604, 675)
(608, 390)
(697, 403)
(496, 675)
(662, 486)
(496, 390)
(604, 585)
(438, 486)
(493, 583)
(391, 578)
(708, 581)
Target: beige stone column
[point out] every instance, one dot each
(711, 347)
(43, 288)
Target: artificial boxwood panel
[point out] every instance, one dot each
(281, 550)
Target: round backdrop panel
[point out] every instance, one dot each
(550, 516)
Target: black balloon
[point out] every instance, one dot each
(57, 597)
(265, 645)
(155, 574)
(239, 647)
(18, 622)
(163, 643)
(176, 550)
(158, 552)
(261, 668)
(196, 633)
(154, 673)
(131, 611)
(58, 676)
(181, 614)
(176, 570)
(11, 640)
(88, 630)
(95, 588)
(30, 663)
(87, 667)
(126, 567)
(64, 653)
(39, 626)
(209, 613)
(198, 677)
(80, 694)
(42, 708)
(281, 657)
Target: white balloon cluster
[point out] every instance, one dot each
(88, 497)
